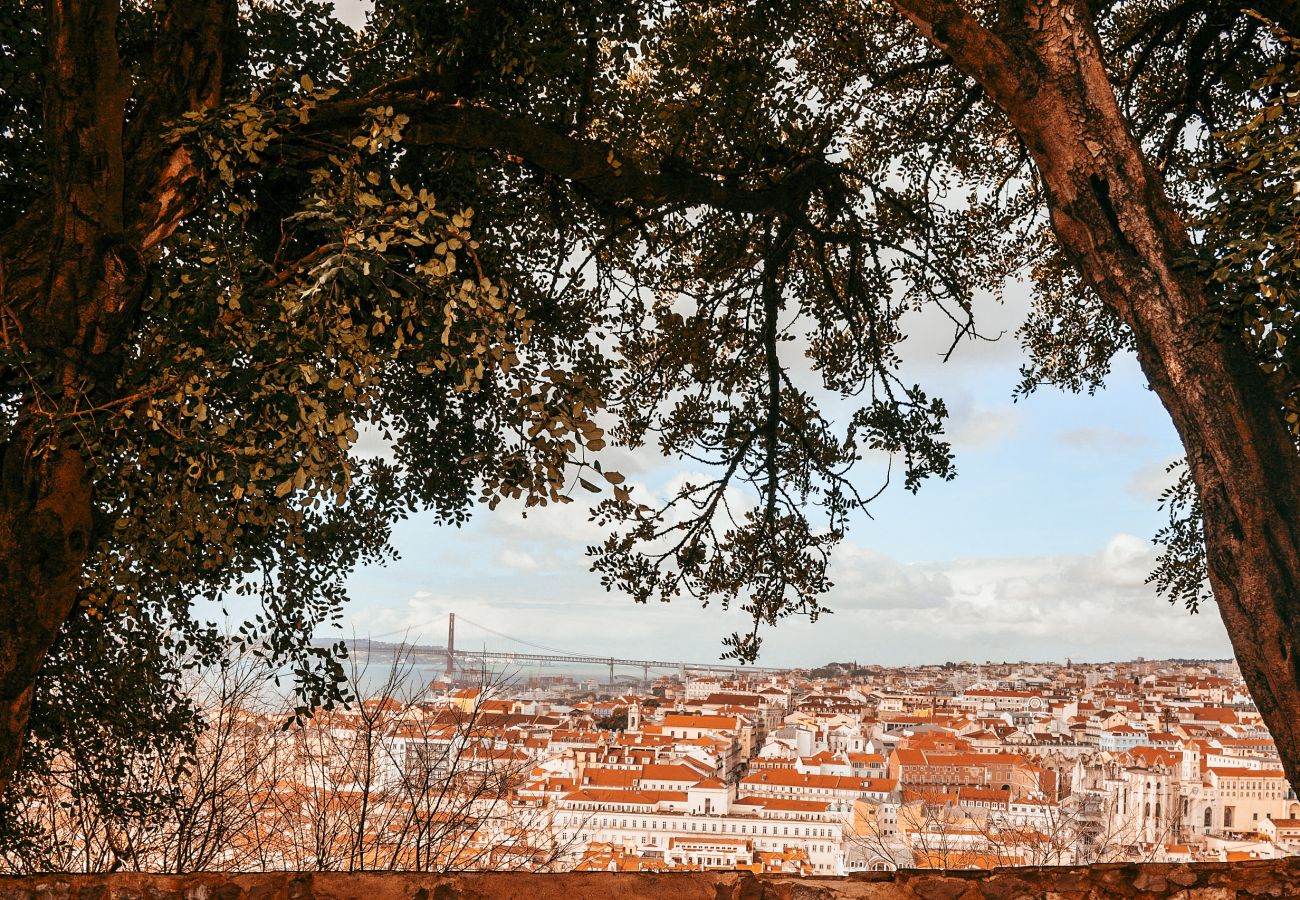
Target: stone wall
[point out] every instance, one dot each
(1200, 881)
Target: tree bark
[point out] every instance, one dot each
(71, 283)
(1114, 220)
(56, 296)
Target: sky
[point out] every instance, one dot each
(1038, 550)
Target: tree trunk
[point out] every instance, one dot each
(1113, 219)
(44, 533)
(72, 276)
(70, 281)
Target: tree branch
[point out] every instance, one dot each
(591, 165)
(1006, 75)
(191, 59)
(1285, 13)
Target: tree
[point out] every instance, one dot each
(615, 722)
(1115, 221)
(498, 235)
(398, 781)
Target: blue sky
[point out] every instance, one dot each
(1038, 550)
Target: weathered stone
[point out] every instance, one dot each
(1073, 881)
(1198, 881)
(937, 888)
(1212, 894)
(1152, 881)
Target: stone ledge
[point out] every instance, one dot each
(1196, 881)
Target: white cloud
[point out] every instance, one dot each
(981, 428)
(1151, 480)
(1091, 606)
(1100, 437)
(371, 444)
(865, 579)
(973, 426)
(930, 334)
(553, 525)
(517, 560)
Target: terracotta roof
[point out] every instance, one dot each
(791, 778)
(718, 723)
(636, 798)
(670, 772)
(686, 839)
(1242, 772)
(787, 804)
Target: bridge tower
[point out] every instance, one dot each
(451, 646)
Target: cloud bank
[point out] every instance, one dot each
(1094, 606)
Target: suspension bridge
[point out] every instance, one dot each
(450, 655)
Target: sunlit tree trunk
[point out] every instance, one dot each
(1043, 66)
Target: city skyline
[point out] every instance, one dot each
(828, 772)
(801, 440)
(495, 657)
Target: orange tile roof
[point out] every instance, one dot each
(720, 723)
(1242, 772)
(879, 785)
(670, 772)
(791, 778)
(686, 839)
(610, 778)
(786, 804)
(636, 798)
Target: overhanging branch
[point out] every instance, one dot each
(591, 165)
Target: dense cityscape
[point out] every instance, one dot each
(831, 771)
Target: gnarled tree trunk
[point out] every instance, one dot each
(1115, 222)
(70, 277)
(71, 282)
(44, 532)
